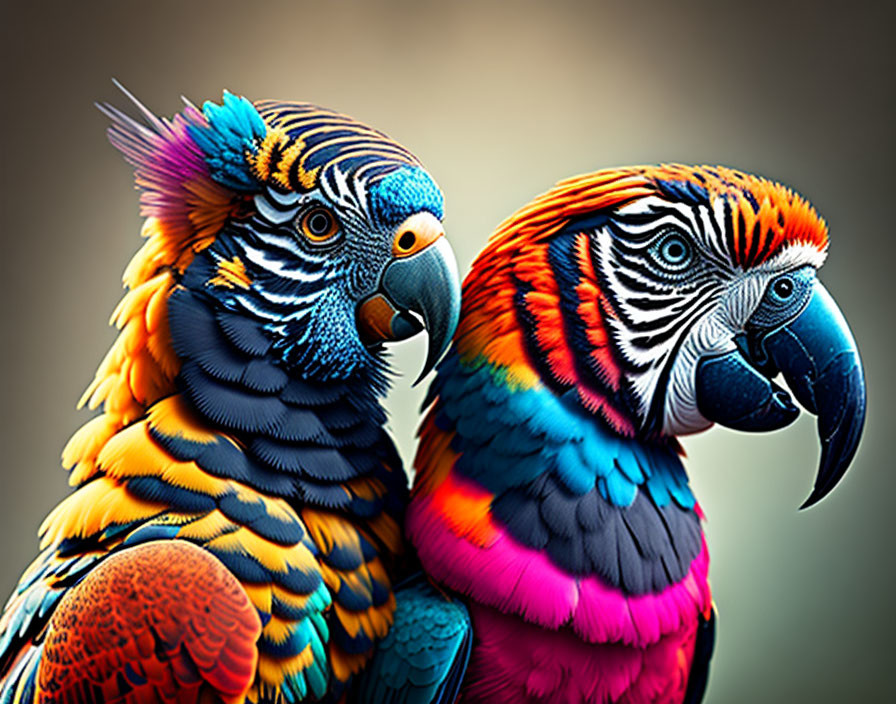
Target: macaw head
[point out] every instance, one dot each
(324, 231)
(669, 298)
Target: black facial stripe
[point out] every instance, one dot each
(660, 337)
(658, 211)
(714, 251)
(291, 257)
(633, 242)
(639, 279)
(707, 287)
(633, 284)
(259, 224)
(655, 413)
(651, 303)
(647, 268)
(676, 305)
(273, 283)
(623, 237)
(654, 324)
(754, 242)
(729, 226)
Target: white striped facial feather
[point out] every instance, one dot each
(708, 305)
(361, 253)
(302, 291)
(265, 259)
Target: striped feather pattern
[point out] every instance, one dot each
(313, 141)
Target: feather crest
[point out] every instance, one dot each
(188, 169)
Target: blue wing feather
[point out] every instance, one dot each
(425, 655)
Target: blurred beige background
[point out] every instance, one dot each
(500, 100)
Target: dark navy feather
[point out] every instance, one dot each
(245, 568)
(298, 581)
(243, 333)
(306, 393)
(324, 495)
(699, 675)
(263, 376)
(314, 462)
(302, 425)
(360, 642)
(230, 407)
(154, 489)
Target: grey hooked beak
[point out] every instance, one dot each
(423, 280)
(816, 353)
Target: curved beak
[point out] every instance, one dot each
(422, 278)
(817, 355)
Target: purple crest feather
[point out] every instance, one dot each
(171, 172)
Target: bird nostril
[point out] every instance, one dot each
(407, 240)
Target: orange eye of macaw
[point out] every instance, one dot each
(319, 225)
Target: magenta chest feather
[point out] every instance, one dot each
(516, 661)
(578, 551)
(514, 579)
(543, 635)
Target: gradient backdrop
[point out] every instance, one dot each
(499, 100)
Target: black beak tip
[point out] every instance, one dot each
(433, 355)
(837, 453)
(817, 355)
(824, 486)
(813, 499)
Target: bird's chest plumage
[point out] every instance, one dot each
(517, 661)
(318, 446)
(291, 484)
(576, 547)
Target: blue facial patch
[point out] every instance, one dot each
(403, 192)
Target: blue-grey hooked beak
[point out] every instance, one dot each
(422, 279)
(804, 336)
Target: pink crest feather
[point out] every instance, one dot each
(170, 170)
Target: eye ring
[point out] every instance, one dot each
(319, 226)
(673, 251)
(783, 288)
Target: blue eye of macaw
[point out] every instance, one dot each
(784, 298)
(673, 251)
(782, 289)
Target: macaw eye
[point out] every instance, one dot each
(782, 288)
(785, 296)
(319, 226)
(673, 251)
